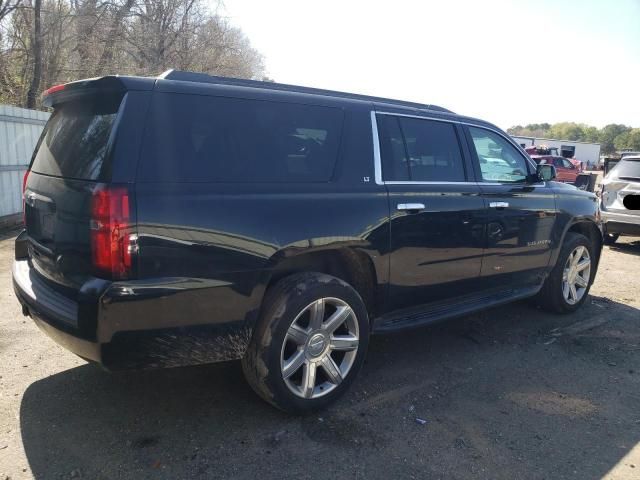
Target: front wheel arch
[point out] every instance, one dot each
(589, 229)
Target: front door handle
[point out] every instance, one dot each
(412, 207)
(499, 204)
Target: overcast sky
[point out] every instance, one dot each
(510, 63)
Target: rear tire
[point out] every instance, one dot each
(568, 284)
(309, 343)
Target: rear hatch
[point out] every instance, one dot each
(71, 165)
(621, 187)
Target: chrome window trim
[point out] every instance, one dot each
(407, 182)
(377, 159)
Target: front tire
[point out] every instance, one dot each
(568, 284)
(309, 343)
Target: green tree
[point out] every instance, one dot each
(567, 131)
(608, 135)
(591, 134)
(629, 140)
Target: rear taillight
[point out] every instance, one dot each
(24, 190)
(111, 232)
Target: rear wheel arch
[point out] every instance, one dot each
(350, 265)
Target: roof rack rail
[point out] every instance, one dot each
(206, 78)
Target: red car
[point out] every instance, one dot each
(566, 170)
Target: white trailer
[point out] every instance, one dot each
(589, 153)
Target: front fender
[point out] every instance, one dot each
(577, 211)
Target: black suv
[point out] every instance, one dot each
(189, 219)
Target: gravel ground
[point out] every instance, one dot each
(508, 393)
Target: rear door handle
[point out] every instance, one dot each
(415, 207)
(499, 204)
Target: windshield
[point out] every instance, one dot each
(74, 143)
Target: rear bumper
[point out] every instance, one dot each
(134, 325)
(621, 223)
(54, 314)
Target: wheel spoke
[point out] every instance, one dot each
(577, 255)
(581, 282)
(331, 369)
(574, 293)
(337, 319)
(297, 334)
(292, 365)
(317, 314)
(308, 379)
(565, 275)
(565, 290)
(583, 264)
(344, 343)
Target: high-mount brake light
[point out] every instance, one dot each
(54, 89)
(111, 234)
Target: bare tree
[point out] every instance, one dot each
(45, 42)
(8, 6)
(37, 55)
(115, 30)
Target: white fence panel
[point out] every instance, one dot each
(19, 132)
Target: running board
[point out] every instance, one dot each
(442, 310)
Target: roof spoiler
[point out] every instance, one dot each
(99, 85)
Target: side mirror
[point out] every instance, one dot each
(546, 172)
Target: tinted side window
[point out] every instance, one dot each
(215, 139)
(420, 150)
(395, 163)
(499, 160)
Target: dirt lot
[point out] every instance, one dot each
(508, 393)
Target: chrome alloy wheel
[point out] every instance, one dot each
(319, 348)
(576, 274)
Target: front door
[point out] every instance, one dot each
(437, 215)
(521, 212)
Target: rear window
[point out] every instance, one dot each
(419, 150)
(627, 168)
(75, 141)
(215, 139)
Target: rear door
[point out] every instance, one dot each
(521, 213)
(437, 214)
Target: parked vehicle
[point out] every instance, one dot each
(621, 200)
(588, 153)
(567, 171)
(191, 219)
(579, 164)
